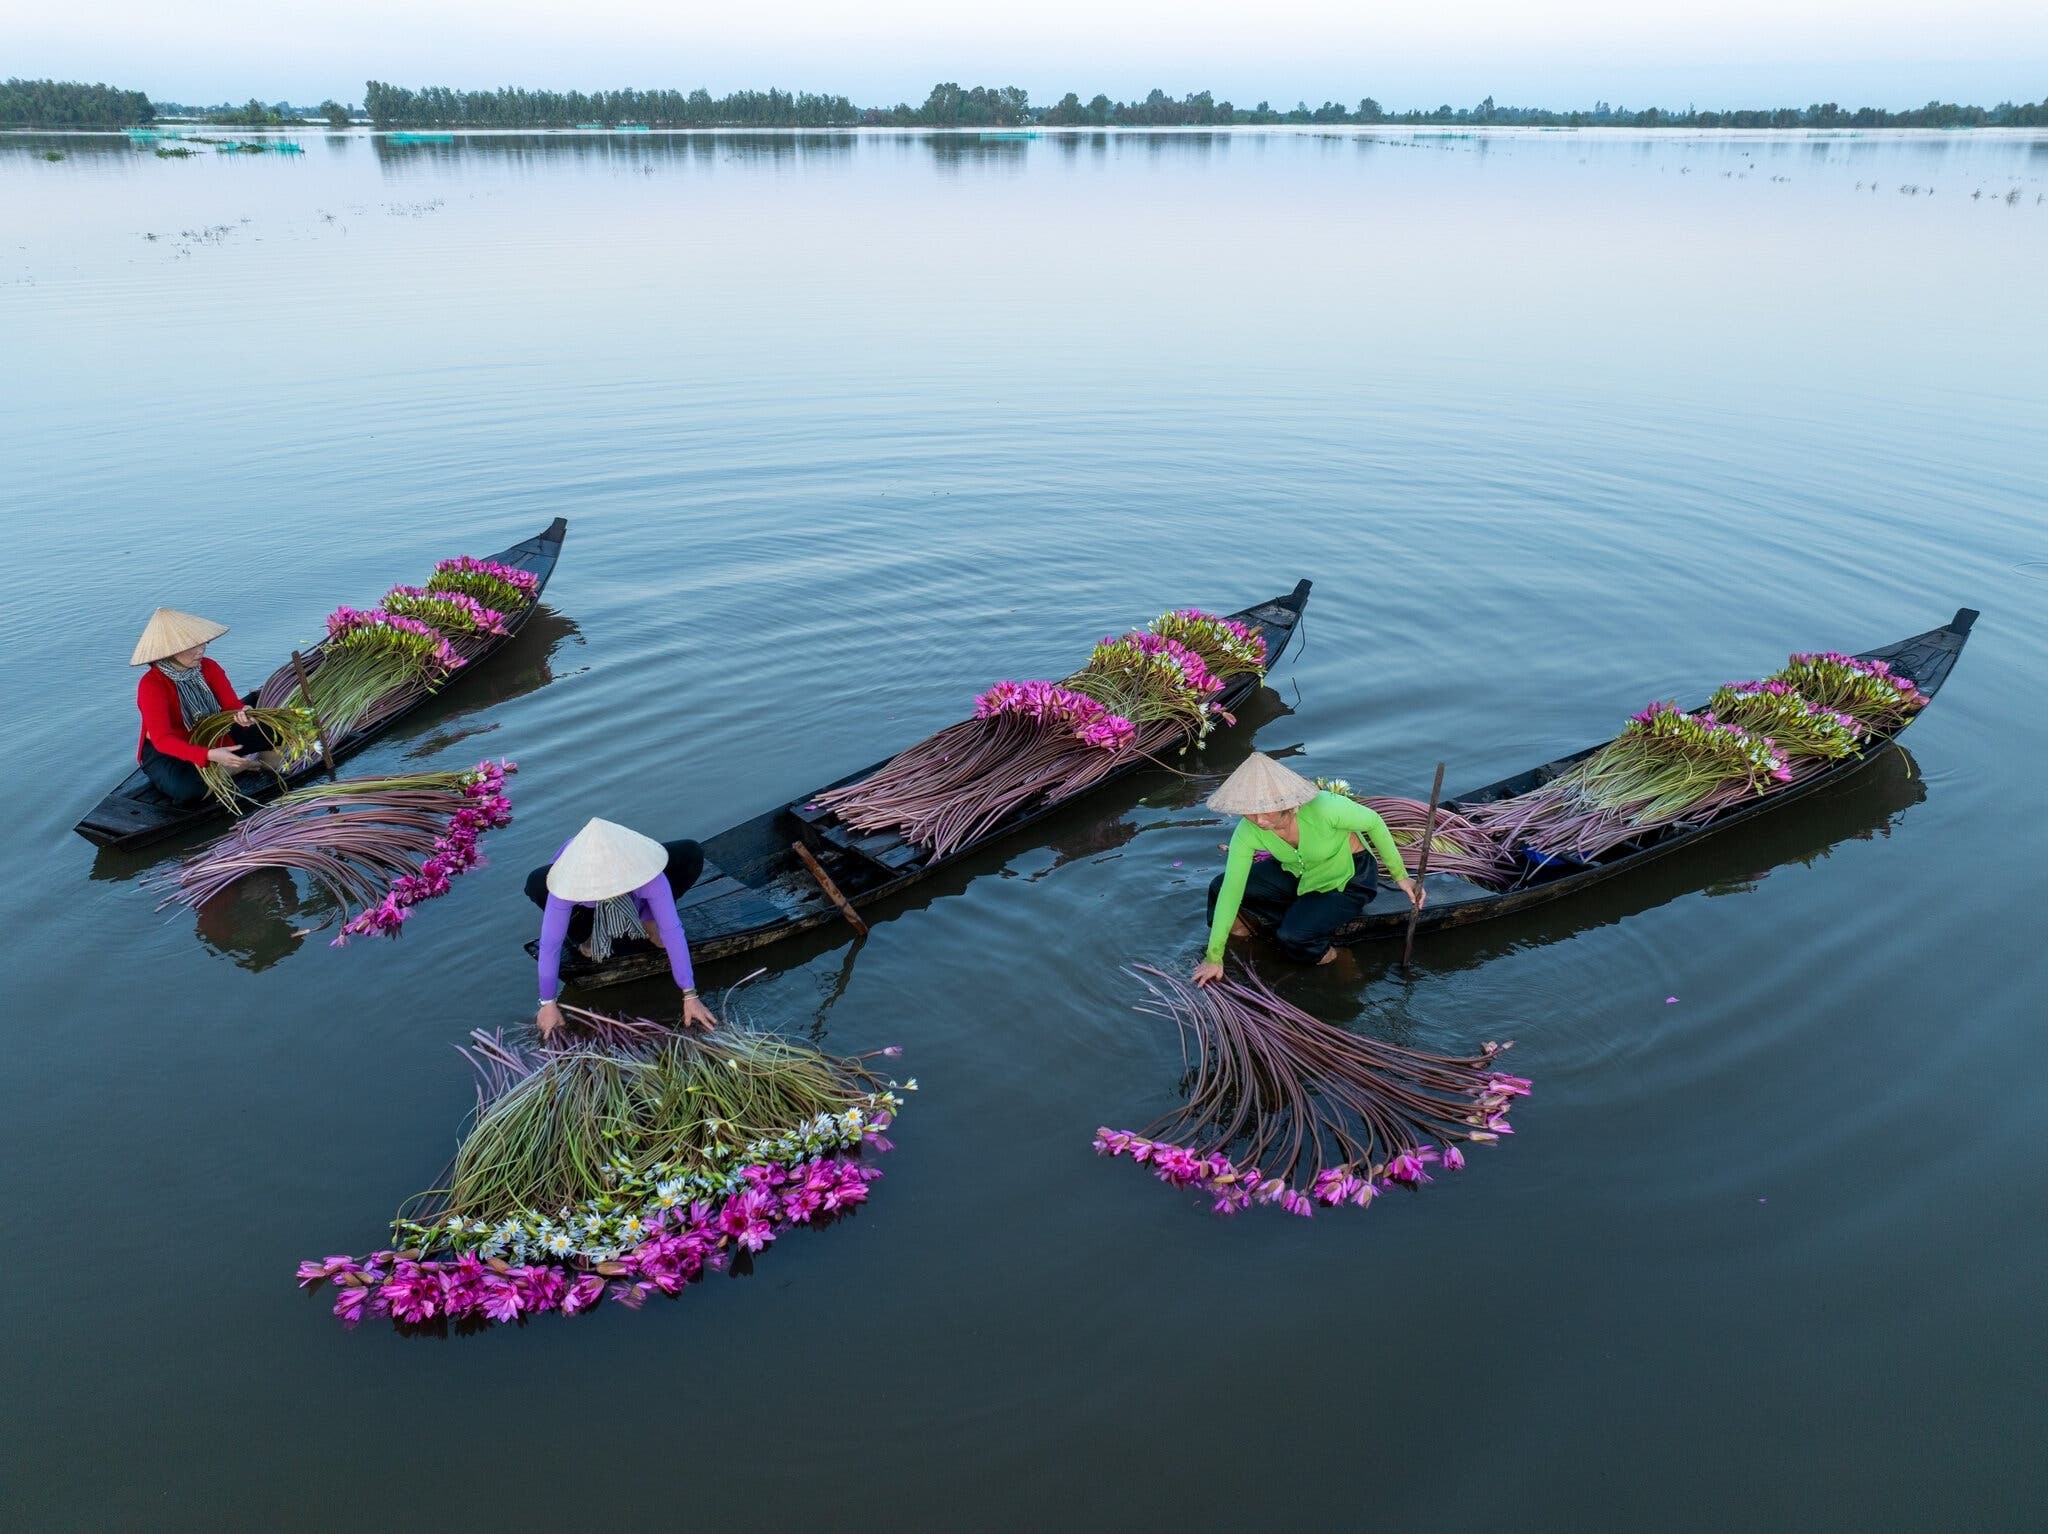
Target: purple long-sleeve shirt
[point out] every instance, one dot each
(656, 903)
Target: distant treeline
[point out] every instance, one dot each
(436, 106)
(70, 104)
(951, 105)
(1201, 109)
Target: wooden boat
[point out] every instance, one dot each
(135, 814)
(756, 890)
(1926, 658)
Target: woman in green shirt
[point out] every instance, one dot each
(1311, 880)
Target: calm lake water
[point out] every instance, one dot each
(846, 427)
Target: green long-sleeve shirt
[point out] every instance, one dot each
(1322, 862)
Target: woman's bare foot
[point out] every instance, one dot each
(584, 949)
(1239, 929)
(1329, 955)
(652, 933)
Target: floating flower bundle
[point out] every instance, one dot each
(623, 1163)
(1456, 845)
(450, 613)
(1284, 1109)
(296, 732)
(376, 846)
(1040, 742)
(502, 587)
(1868, 690)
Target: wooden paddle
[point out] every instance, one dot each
(306, 695)
(831, 890)
(1422, 865)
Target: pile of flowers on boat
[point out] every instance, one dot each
(486, 581)
(375, 661)
(376, 846)
(449, 612)
(1041, 741)
(1284, 1109)
(1673, 768)
(624, 1162)
(1878, 697)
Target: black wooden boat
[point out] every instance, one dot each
(1926, 658)
(755, 890)
(135, 814)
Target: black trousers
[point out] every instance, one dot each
(178, 781)
(1302, 924)
(685, 863)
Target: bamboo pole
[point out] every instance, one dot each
(1422, 865)
(825, 883)
(306, 694)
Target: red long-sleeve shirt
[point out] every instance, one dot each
(163, 717)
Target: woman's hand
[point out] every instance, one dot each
(1207, 974)
(548, 1018)
(230, 758)
(1416, 893)
(242, 716)
(696, 1014)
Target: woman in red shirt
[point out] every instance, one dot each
(179, 688)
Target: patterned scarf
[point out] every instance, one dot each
(618, 917)
(195, 697)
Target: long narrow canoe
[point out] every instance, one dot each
(135, 814)
(1926, 658)
(755, 890)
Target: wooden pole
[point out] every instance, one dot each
(306, 694)
(1422, 864)
(825, 883)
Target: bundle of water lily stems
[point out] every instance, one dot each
(621, 1159)
(1284, 1109)
(376, 846)
(1456, 845)
(1041, 742)
(1672, 768)
(378, 660)
(296, 732)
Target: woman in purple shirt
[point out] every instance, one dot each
(608, 883)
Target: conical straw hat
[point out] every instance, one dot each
(603, 860)
(170, 631)
(1260, 787)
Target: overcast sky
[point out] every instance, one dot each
(1528, 52)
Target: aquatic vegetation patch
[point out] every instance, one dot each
(377, 846)
(1041, 741)
(618, 1160)
(1282, 1108)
